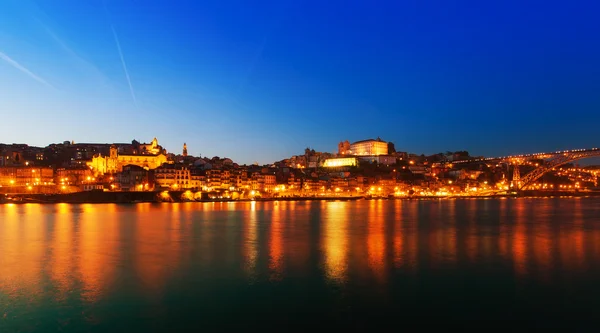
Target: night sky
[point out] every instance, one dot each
(262, 80)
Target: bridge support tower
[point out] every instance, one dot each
(516, 179)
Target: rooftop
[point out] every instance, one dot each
(369, 140)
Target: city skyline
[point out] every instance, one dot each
(226, 78)
(335, 152)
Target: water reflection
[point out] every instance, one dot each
(157, 242)
(520, 239)
(250, 240)
(22, 250)
(398, 235)
(97, 253)
(335, 239)
(95, 257)
(62, 241)
(276, 243)
(299, 242)
(376, 246)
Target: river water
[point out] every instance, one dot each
(300, 266)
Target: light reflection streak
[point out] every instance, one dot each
(12, 279)
(30, 247)
(62, 265)
(503, 237)
(541, 241)
(335, 240)
(298, 241)
(376, 240)
(450, 239)
(276, 244)
(94, 254)
(398, 234)
(519, 243)
(157, 250)
(250, 240)
(577, 236)
(411, 239)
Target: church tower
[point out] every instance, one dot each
(113, 151)
(184, 149)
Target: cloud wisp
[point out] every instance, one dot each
(18, 66)
(124, 65)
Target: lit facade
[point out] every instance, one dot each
(343, 147)
(24, 175)
(269, 183)
(151, 148)
(115, 162)
(176, 177)
(133, 178)
(340, 162)
(369, 148)
(73, 175)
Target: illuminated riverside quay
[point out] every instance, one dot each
(367, 168)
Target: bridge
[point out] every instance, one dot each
(550, 162)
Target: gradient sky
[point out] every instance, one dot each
(262, 80)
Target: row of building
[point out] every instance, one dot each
(363, 167)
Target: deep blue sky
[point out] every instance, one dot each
(262, 80)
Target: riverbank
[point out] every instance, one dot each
(178, 196)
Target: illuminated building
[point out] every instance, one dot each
(197, 178)
(185, 153)
(152, 156)
(343, 148)
(369, 148)
(213, 178)
(269, 183)
(72, 175)
(23, 175)
(340, 162)
(150, 148)
(173, 176)
(133, 178)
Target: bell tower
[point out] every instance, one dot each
(185, 149)
(113, 151)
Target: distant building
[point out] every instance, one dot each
(173, 176)
(151, 157)
(133, 178)
(343, 148)
(368, 147)
(73, 175)
(269, 182)
(26, 175)
(150, 148)
(340, 162)
(380, 159)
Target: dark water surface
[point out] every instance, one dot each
(300, 266)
